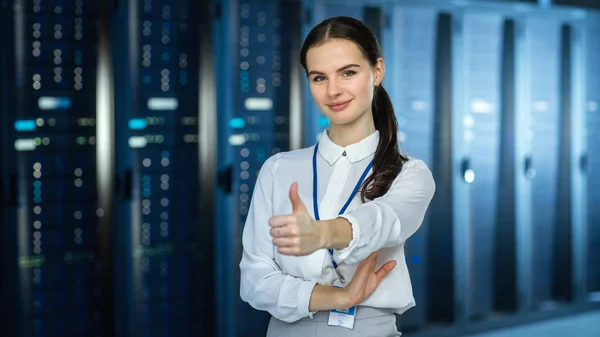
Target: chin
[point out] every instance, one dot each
(341, 120)
(343, 117)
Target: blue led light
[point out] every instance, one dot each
(165, 154)
(37, 184)
(147, 79)
(25, 125)
(237, 123)
(165, 56)
(137, 124)
(78, 59)
(54, 103)
(260, 155)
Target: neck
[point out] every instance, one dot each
(346, 134)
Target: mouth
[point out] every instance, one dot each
(339, 106)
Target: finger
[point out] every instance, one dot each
(284, 231)
(285, 242)
(297, 205)
(282, 220)
(385, 269)
(292, 251)
(277, 232)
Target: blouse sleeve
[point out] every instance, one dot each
(262, 283)
(392, 218)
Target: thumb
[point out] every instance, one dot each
(297, 205)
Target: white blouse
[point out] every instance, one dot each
(281, 284)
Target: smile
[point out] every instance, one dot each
(339, 106)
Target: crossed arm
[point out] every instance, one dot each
(384, 222)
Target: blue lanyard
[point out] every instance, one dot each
(316, 203)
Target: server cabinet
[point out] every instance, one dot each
(478, 65)
(591, 163)
(259, 92)
(542, 166)
(481, 168)
(409, 50)
(165, 218)
(55, 222)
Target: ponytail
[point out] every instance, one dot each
(388, 161)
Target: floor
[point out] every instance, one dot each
(583, 325)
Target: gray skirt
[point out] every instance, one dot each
(369, 322)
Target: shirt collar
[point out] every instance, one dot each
(331, 152)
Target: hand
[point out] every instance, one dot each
(297, 233)
(366, 279)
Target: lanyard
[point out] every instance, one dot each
(316, 204)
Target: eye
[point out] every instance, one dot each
(318, 78)
(349, 73)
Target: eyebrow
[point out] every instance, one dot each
(339, 70)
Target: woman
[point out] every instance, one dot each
(325, 233)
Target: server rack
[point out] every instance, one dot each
(57, 249)
(165, 148)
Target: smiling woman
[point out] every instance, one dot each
(317, 269)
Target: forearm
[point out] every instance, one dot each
(337, 233)
(327, 298)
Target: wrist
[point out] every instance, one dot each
(324, 233)
(343, 301)
(328, 298)
(336, 233)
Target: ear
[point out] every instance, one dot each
(378, 72)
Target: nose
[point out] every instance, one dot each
(333, 89)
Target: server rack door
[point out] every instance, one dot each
(8, 246)
(259, 125)
(441, 302)
(578, 136)
(482, 79)
(409, 51)
(505, 247)
(55, 138)
(592, 163)
(543, 51)
(562, 252)
(165, 226)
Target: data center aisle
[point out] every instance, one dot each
(582, 325)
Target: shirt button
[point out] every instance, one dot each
(344, 154)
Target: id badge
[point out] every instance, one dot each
(340, 317)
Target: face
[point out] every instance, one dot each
(342, 81)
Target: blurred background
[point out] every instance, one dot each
(132, 132)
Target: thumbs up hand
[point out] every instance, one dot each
(297, 233)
